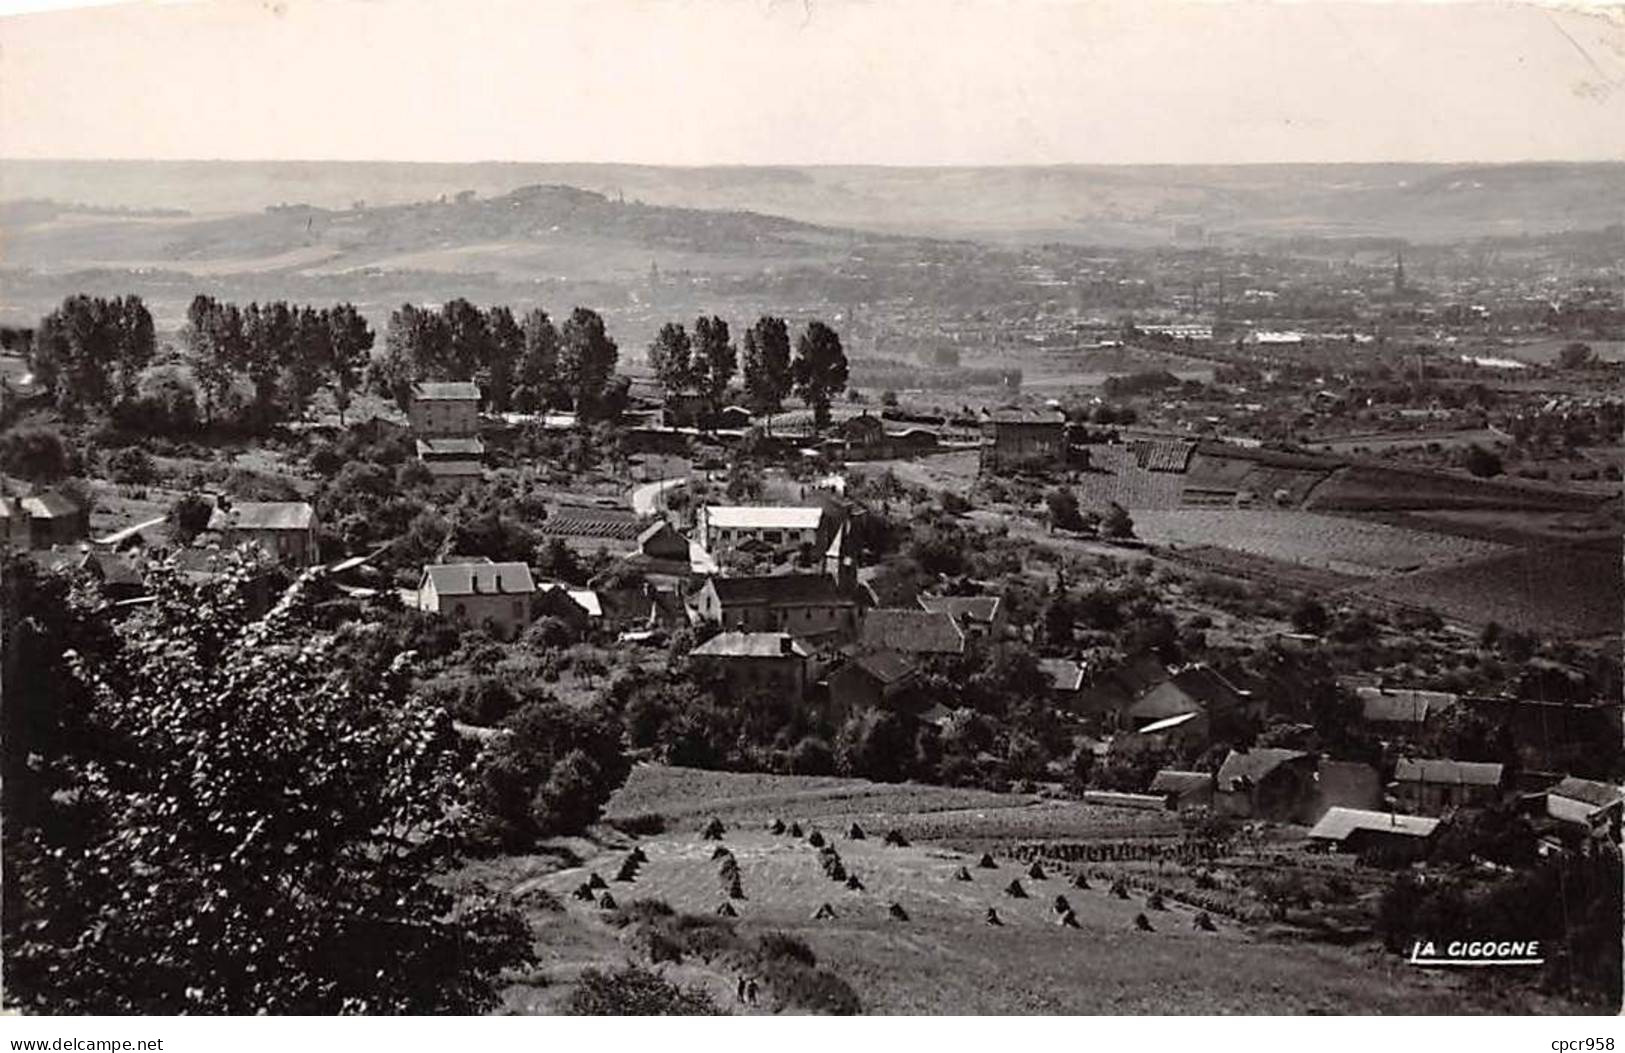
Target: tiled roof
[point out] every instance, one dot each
(779, 590)
(1163, 455)
(751, 645)
(48, 504)
(888, 667)
(1338, 823)
(460, 579)
(1254, 765)
(614, 524)
(764, 517)
(911, 632)
(1600, 794)
(964, 608)
(1064, 674)
(1453, 772)
(444, 391)
(263, 515)
(1402, 705)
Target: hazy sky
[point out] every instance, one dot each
(813, 81)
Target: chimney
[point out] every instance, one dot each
(787, 644)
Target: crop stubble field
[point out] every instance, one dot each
(944, 957)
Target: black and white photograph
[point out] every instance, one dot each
(803, 508)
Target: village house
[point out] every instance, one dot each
(868, 681)
(1433, 787)
(42, 520)
(976, 615)
(1023, 438)
(1182, 735)
(804, 604)
(1194, 689)
(1591, 805)
(1108, 692)
(1183, 789)
(1262, 783)
(721, 528)
(1394, 712)
(452, 460)
(1355, 831)
(661, 541)
(1066, 681)
(751, 663)
(911, 632)
(444, 409)
(497, 594)
(285, 530)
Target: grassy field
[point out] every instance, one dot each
(1375, 488)
(1345, 546)
(943, 957)
(1568, 591)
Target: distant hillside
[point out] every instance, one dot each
(1126, 205)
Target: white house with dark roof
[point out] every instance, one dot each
(1433, 786)
(285, 530)
(720, 528)
(479, 593)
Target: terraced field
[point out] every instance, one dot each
(1346, 546)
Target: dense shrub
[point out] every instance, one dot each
(635, 991)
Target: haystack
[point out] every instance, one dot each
(853, 883)
(815, 839)
(777, 827)
(713, 830)
(962, 874)
(727, 911)
(795, 829)
(1120, 888)
(1061, 905)
(896, 910)
(721, 852)
(1143, 923)
(896, 839)
(824, 912)
(855, 833)
(1067, 920)
(606, 901)
(1036, 872)
(1156, 902)
(637, 855)
(1015, 891)
(628, 871)
(583, 892)
(987, 863)
(594, 881)
(993, 918)
(1081, 881)
(1204, 922)
(735, 889)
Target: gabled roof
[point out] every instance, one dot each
(586, 599)
(459, 446)
(982, 609)
(658, 528)
(446, 391)
(1394, 705)
(1254, 765)
(263, 515)
(764, 517)
(751, 645)
(1338, 823)
(1170, 781)
(911, 632)
(461, 579)
(48, 504)
(1453, 772)
(1064, 674)
(1016, 415)
(779, 590)
(1598, 794)
(888, 667)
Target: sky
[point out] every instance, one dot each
(893, 82)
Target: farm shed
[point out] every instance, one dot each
(1267, 784)
(1184, 789)
(1356, 830)
(1433, 787)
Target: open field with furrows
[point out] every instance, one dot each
(944, 957)
(1336, 543)
(1376, 488)
(1564, 591)
(1114, 476)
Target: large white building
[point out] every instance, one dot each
(724, 527)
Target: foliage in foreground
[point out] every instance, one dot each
(238, 827)
(635, 991)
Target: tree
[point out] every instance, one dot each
(587, 358)
(189, 516)
(1064, 513)
(1576, 355)
(671, 357)
(536, 383)
(271, 334)
(502, 359)
(218, 349)
(349, 346)
(36, 454)
(90, 351)
(1481, 463)
(256, 831)
(635, 991)
(1310, 617)
(819, 372)
(766, 364)
(714, 362)
(1117, 522)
